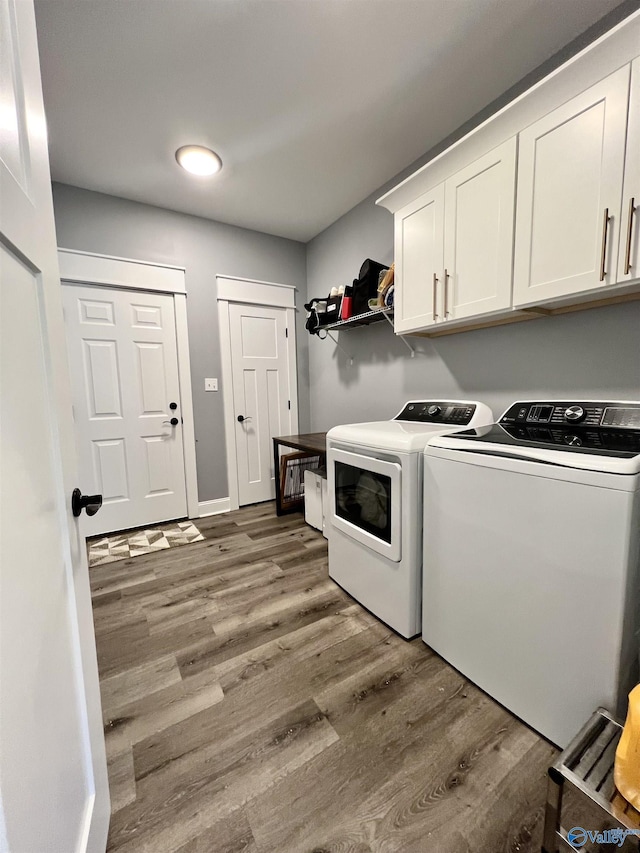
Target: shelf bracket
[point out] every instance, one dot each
(342, 349)
(403, 339)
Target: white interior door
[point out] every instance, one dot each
(261, 394)
(124, 374)
(53, 781)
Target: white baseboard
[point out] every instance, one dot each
(213, 507)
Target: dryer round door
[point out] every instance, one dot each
(365, 500)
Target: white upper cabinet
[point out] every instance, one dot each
(419, 248)
(536, 210)
(454, 245)
(629, 254)
(479, 206)
(570, 172)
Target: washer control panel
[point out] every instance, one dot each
(598, 415)
(437, 412)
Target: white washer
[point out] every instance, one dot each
(374, 473)
(532, 558)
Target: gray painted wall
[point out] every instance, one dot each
(93, 222)
(593, 353)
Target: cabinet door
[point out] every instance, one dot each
(629, 256)
(569, 182)
(478, 234)
(419, 256)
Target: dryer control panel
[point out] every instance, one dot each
(598, 415)
(437, 412)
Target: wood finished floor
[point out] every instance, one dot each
(250, 705)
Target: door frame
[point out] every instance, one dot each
(95, 270)
(251, 292)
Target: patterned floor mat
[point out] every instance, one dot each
(108, 549)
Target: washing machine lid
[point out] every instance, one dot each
(595, 435)
(413, 426)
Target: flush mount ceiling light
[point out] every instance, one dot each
(198, 160)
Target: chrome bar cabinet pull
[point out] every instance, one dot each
(627, 254)
(446, 294)
(435, 296)
(603, 256)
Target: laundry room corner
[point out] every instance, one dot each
(94, 222)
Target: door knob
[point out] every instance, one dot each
(241, 419)
(173, 422)
(90, 503)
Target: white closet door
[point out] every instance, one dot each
(478, 234)
(124, 370)
(569, 180)
(260, 368)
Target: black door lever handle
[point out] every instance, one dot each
(241, 419)
(90, 503)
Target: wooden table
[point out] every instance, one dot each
(311, 442)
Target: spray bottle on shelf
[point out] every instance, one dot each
(346, 306)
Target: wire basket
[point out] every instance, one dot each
(292, 468)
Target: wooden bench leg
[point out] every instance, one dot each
(552, 811)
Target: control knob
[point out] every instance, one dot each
(573, 440)
(433, 411)
(575, 414)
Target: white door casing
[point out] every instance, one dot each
(131, 274)
(259, 380)
(53, 786)
(124, 375)
(570, 173)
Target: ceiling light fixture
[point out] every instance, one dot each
(198, 160)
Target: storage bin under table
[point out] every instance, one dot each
(313, 447)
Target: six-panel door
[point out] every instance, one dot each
(570, 194)
(124, 372)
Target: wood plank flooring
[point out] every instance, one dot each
(251, 705)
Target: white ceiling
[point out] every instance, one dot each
(312, 104)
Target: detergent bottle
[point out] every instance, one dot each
(626, 771)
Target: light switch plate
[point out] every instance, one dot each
(210, 384)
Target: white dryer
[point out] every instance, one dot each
(532, 558)
(374, 474)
